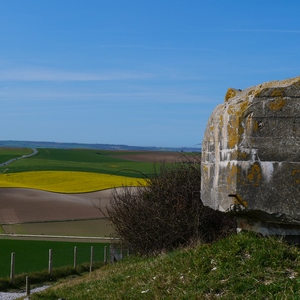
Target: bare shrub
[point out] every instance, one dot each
(168, 212)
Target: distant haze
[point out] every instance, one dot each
(36, 144)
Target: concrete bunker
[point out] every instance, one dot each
(251, 157)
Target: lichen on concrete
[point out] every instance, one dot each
(251, 155)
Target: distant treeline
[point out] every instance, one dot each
(34, 144)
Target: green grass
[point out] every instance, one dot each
(86, 160)
(10, 153)
(243, 266)
(32, 256)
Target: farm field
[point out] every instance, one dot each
(32, 256)
(51, 199)
(122, 163)
(27, 205)
(84, 228)
(10, 153)
(66, 181)
(55, 191)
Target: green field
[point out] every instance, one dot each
(85, 160)
(10, 153)
(31, 256)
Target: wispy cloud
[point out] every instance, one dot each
(267, 30)
(147, 47)
(37, 74)
(263, 30)
(144, 95)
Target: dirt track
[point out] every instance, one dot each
(25, 205)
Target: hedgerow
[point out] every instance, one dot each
(167, 212)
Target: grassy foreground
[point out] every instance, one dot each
(242, 266)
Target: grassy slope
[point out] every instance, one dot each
(84, 160)
(242, 266)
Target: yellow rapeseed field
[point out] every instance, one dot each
(66, 181)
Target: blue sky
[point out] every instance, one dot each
(135, 72)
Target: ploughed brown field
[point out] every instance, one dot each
(27, 205)
(154, 156)
(18, 205)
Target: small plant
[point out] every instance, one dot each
(167, 212)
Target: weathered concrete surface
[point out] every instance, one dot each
(251, 157)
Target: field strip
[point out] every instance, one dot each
(34, 152)
(58, 236)
(66, 181)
